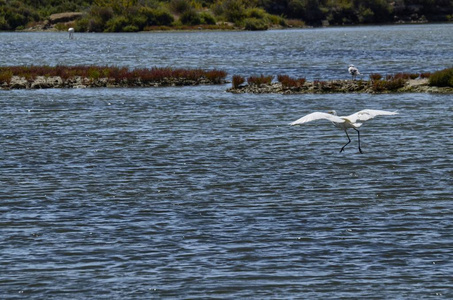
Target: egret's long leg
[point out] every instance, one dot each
(358, 135)
(349, 140)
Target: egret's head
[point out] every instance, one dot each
(332, 112)
(351, 66)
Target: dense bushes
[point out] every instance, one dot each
(254, 24)
(106, 19)
(17, 15)
(442, 78)
(248, 14)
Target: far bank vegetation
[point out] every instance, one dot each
(144, 15)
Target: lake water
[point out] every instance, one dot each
(193, 192)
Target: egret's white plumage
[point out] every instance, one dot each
(353, 71)
(71, 33)
(345, 122)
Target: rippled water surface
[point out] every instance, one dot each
(194, 192)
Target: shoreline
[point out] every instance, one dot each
(39, 29)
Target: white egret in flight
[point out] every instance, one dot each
(345, 122)
(353, 71)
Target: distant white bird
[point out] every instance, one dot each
(71, 33)
(345, 122)
(353, 71)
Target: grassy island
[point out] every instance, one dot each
(39, 77)
(437, 82)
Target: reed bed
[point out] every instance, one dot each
(114, 74)
(398, 82)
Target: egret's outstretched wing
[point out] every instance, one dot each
(368, 114)
(317, 116)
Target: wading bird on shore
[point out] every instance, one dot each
(71, 33)
(353, 71)
(345, 122)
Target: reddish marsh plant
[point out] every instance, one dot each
(115, 74)
(237, 81)
(375, 76)
(288, 82)
(259, 80)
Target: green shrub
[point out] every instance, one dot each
(190, 17)
(257, 13)
(93, 73)
(116, 24)
(130, 28)
(255, 24)
(273, 19)
(207, 18)
(138, 21)
(180, 6)
(162, 17)
(81, 25)
(5, 76)
(442, 78)
(3, 23)
(233, 10)
(95, 25)
(103, 13)
(156, 16)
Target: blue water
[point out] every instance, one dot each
(193, 192)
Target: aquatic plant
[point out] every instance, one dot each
(215, 75)
(375, 76)
(405, 76)
(237, 81)
(425, 75)
(161, 75)
(258, 80)
(288, 82)
(5, 75)
(442, 78)
(392, 84)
